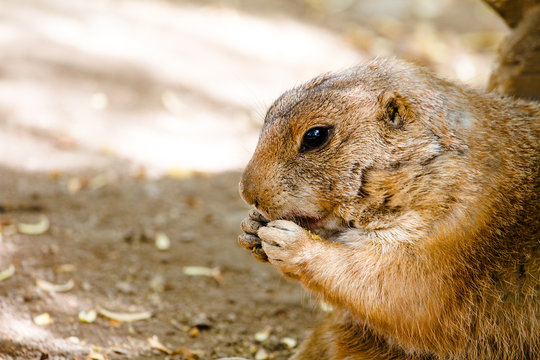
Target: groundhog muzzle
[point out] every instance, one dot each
(411, 205)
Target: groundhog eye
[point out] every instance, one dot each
(315, 138)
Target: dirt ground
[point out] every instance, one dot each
(104, 240)
(123, 129)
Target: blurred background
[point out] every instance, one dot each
(169, 86)
(124, 125)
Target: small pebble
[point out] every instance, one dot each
(201, 321)
(86, 286)
(289, 342)
(125, 287)
(261, 355)
(74, 340)
(43, 319)
(194, 332)
(263, 335)
(162, 241)
(157, 283)
(87, 316)
(231, 317)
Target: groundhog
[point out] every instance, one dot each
(411, 205)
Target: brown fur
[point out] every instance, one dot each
(426, 198)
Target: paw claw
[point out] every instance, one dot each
(259, 254)
(250, 226)
(248, 241)
(255, 215)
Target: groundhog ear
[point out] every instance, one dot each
(394, 109)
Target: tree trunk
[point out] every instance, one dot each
(517, 70)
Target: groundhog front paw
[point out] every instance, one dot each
(249, 239)
(284, 242)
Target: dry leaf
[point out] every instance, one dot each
(50, 287)
(179, 174)
(6, 274)
(8, 228)
(99, 181)
(87, 316)
(197, 271)
(204, 271)
(217, 275)
(34, 229)
(114, 323)
(74, 185)
(189, 354)
(124, 317)
(43, 319)
(65, 268)
(120, 350)
(156, 344)
(54, 175)
(95, 356)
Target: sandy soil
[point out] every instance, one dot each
(104, 240)
(124, 121)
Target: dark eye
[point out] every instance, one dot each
(315, 138)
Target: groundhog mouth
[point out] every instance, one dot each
(307, 222)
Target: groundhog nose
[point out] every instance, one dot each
(247, 189)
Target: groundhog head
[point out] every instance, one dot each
(341, 147)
